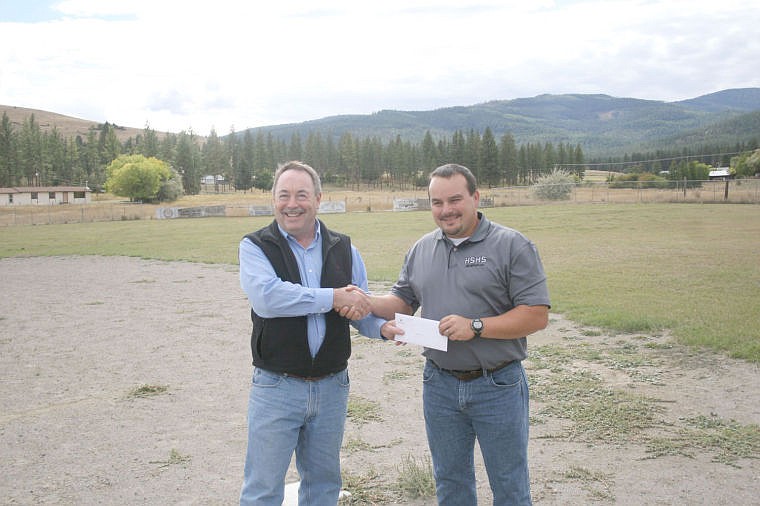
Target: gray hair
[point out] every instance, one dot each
(296, 165)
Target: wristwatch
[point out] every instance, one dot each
(477, 326)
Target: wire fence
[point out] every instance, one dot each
(239, 204)
(735, 191)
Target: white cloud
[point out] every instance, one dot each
(177, 66)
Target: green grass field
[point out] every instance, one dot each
(689, 268)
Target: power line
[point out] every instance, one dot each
(652, 160)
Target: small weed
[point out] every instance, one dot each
(147, 390)
(366, 489)
(174, 458)
(361, 410)
(729, 440)
(537, 420)
(416, 477)
(395, 376)
(658, 346)
(552, 358)
(589, 479)
(593, 355)
(357, 445)
(665, 446)
(625, 360)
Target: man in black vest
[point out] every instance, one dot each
(296, 274)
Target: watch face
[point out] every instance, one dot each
(477, 325)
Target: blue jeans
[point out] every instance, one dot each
(493, 409)
(287, 414)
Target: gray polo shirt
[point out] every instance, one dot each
(493, 271)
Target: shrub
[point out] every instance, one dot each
(639, 180)
(171, 189)
(555, 186)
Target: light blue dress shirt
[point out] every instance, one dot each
(271, 297)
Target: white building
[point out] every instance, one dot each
(44, 195)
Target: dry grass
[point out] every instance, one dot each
(105, 207)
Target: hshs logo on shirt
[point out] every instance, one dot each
(474, 261)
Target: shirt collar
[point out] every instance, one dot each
(317, 233)
(478, 235)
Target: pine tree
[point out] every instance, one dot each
(508, 159)
(8, 153)
(488, 160)
(295, 149)
(245, 171)
(149, 145)
(429, 152)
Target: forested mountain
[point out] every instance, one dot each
(737, 129)
(505, 142)
(601, 124)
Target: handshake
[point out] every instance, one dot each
(351, 302)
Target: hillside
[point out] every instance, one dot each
(739, 99)
(67, 126)
(601, 124)
(723, 132)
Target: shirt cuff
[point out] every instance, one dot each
(324, 298)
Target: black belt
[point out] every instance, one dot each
(307, 378)
(474, 373)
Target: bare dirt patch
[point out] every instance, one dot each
(125, 381)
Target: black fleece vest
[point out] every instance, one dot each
(281, 344)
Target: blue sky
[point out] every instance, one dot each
(177, 65)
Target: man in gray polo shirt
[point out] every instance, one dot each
(486, 286)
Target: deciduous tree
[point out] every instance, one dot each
(136, 177)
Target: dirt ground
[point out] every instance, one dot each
(125, 381)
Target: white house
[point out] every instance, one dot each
(44, 195)
(209, 179)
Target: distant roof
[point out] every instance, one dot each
(31, 189)
(720, 171)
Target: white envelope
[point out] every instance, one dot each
(421, 331)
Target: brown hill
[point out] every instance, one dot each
(67, 126)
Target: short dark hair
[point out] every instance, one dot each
(296, 165)
(448, 170)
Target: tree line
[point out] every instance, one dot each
(31, 156)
